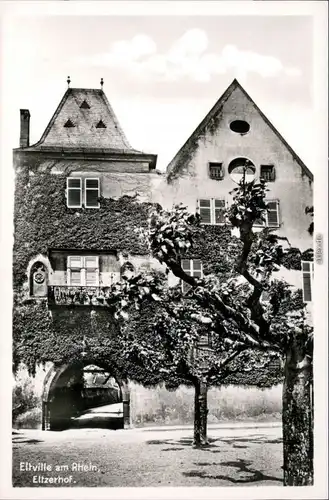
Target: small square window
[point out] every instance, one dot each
(216, 171)
(192, 268)
(267, 172)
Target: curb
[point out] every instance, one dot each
(260, 425)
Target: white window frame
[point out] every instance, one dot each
(190, 272)
(310, 273)
(83, 269)
(90, 189)
(265, 223)
(212, 209)
(68, 188)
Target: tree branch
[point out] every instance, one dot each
(254, 336)
(222, 365)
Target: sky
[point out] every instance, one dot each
(162, 74)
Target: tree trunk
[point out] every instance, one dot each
(297, 419)
(200, 414)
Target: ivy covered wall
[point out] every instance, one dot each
(43, 221)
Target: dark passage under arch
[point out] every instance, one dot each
(84, 395)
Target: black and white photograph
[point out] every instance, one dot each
(164, 212)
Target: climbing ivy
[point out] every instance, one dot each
(43, 221)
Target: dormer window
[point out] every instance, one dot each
(69, 124)
(267, 172)
(216, 171)
(84, 105)
(100, 124)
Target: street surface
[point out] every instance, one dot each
(236, 456)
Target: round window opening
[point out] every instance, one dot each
(242, 167)
(240, 126)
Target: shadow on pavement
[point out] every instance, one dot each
(241, 465)
(214, 442)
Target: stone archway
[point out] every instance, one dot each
(70, 398)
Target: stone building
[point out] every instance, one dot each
(68, 250)
(80, 192)
(206, 168)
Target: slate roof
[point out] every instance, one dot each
(84, 134)
(178, 161)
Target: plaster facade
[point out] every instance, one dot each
(84, 152)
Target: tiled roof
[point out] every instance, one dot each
(85, 109)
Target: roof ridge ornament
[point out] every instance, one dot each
(102, 83)
(68, 81)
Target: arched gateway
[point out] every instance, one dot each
(84, 394)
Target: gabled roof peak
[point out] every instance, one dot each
(178, 159)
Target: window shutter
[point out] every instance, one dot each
(219, 211)
(74, 195)
(75, 277)
(92, 270)
(91, 262)
(75, 262)
(307, 269)
(205, 211)
(91, 277)
(307, 291)
(91, 193)
(74, 270)
(273, 213)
